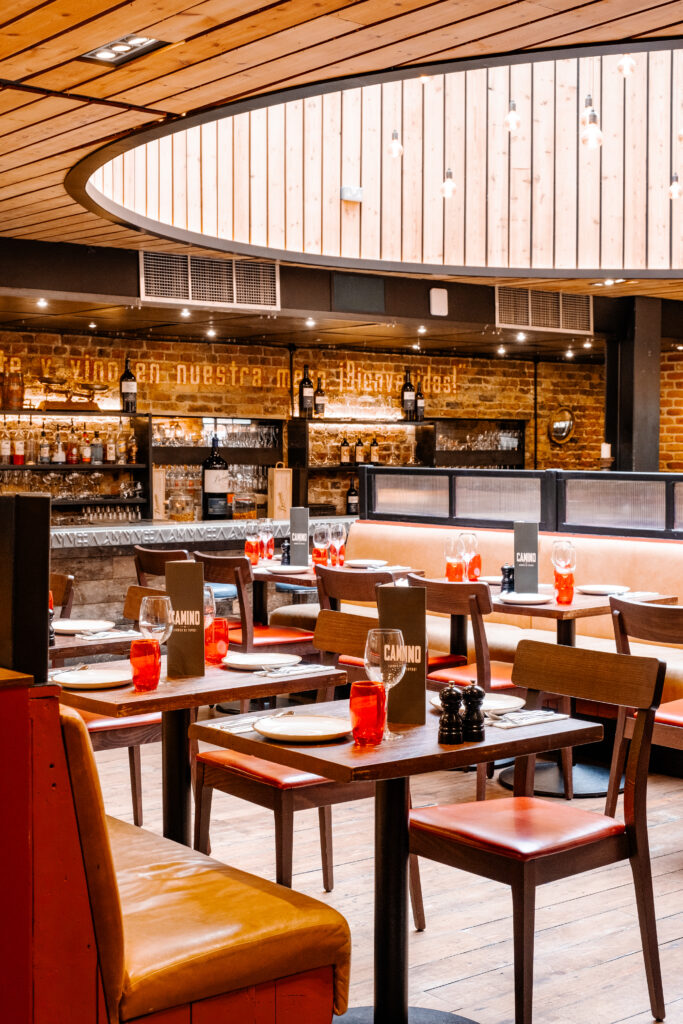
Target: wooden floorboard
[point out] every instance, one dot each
(588, 965)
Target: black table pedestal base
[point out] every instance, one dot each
(417, 1015)
(590, 780)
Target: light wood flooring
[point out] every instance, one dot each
(588, 966)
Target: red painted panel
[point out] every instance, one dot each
(305, 997)
(177, 1015)
(254, 1005)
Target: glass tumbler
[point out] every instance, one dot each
(216, 642)
(368, 710)
(145, 658)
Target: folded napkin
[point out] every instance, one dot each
(110, 634)
(519, 719)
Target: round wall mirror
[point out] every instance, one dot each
(561, 426)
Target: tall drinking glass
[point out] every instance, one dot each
(337, 543)
(252, 542)
(385, 662)
(456, 562)
(266, 538)
(321, 545)
(563, 557)
(472, 556)
(209, 606)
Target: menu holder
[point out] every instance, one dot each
(185, 646)
(526, 558)
(405, 609)
(298, 536)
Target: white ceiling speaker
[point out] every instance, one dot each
(438, 301)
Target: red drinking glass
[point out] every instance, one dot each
(455, 570)
(368, 710)
(474, 567)
(564, 587)
(337, 554)
(145, 657)
(319, 556)
(270, 547)
(251, 550)
(216, 642)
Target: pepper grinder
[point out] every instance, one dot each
(473, 720)
(450, 722)
(284, 560)
(507, 581)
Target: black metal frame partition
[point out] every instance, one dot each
(613, 504)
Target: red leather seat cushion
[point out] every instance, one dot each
(435, 661)
(501, 675)
(521, 828)
(273, 635)
(277, 775)
(100, 723)
(670, 713)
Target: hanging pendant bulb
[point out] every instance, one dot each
(512, 119)
(395, 147)
(675, 189)
(587, 107)
(591, 136)
(626, 65)
(448, 185)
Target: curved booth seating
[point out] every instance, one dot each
(177, 930)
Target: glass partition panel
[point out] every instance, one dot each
(678, 506)
(496, 498)
(629, 504)
(405, 494)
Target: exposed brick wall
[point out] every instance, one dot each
(671, 413)
(580, 388)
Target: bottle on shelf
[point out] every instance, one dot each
(31, 443)
(128, 387)
(43, 447)
(408, 397)
(215, 484)
(132, 450)
(373, 454)
(345, 452)
(18, 445)
(319, 399)
(121, 446)
(110, 448)
(419, 403)
(306, 396)
(359, 450)
(72, 447)
(97, 449)
(5, 443)
(86, 448)
(14, 389)
(352, 500)
(59, 450)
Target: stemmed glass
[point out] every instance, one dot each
(563, 557)
(472, 556)
(337, 543)
(156, 618)
(209, 606)
(385, 662)
(266, 538)
(321, 544)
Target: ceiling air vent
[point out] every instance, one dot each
(203, 281)
(544, 311)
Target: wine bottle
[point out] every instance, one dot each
(319, 399)
(72, 453)
(43, 447)
(419, 402)
(97, 449)
(215, 483)
(86, 448)
(59, 452)
(373, 456)
(128, 386)
(352, 500)
(110, 448)
(306, 395)
(359, 450)
(408, 397)
(345, 452)
(18, 446)
(5, 443)
(31, 444)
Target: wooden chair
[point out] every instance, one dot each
(111, 733)
(525, 842)
(661, 624)
(248, 637)
(152, 562)
(62, 587)
(284, 790)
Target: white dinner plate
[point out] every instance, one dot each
(93, 678)
(497, 703)
(82, 625)
(303, 728)
(250, 662)
(515, 598)
(286, 570)
(600, 589)
(366, 563)
(493, 581)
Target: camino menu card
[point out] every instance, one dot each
(185, 646)
(298, 536)
(526, 558)
(404, 608)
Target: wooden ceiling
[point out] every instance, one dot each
(56, 109)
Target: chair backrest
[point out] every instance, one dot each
(659, 623)
(342, 633)
(62, 587)
(470, 599)
(233, 569)
(100, 875)
(134, 596)
(624, 680)
(152, 561)
(348, 584)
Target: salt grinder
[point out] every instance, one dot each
(473, 719)
(450, 722)
(285, 552)
(507, 582)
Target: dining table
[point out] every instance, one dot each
(390, 766)
(175, 699)
(68, 645)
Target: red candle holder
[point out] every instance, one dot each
(216, 640)
(368, 710)
(564, 587)
(319, 556)
(145, 658)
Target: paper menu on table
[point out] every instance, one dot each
(185, 646)
(405, 609)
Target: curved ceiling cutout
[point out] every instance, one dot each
(270, 180)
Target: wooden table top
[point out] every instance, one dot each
(582, 606)
(264, 574)
(218, 686)
(417, 753)
(74, 647)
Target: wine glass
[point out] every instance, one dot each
(337, 543)
(456, 559)
(563, 556)
(321, 544)
(266, 538)
(472, 557)
(385, 662)
(156, 618)
(209, 606)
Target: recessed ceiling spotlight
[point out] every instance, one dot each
(569, 353)
(521, 336)
(422, 329)
(424, 79)
(92, 325)
(501, 350)
(620, 280)
(588, 343)
(185, 312)
(310, 322)
(679, 348)
(609, 282)
(42, 303)
(416, 346)
(211, 333)
(120, 51)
